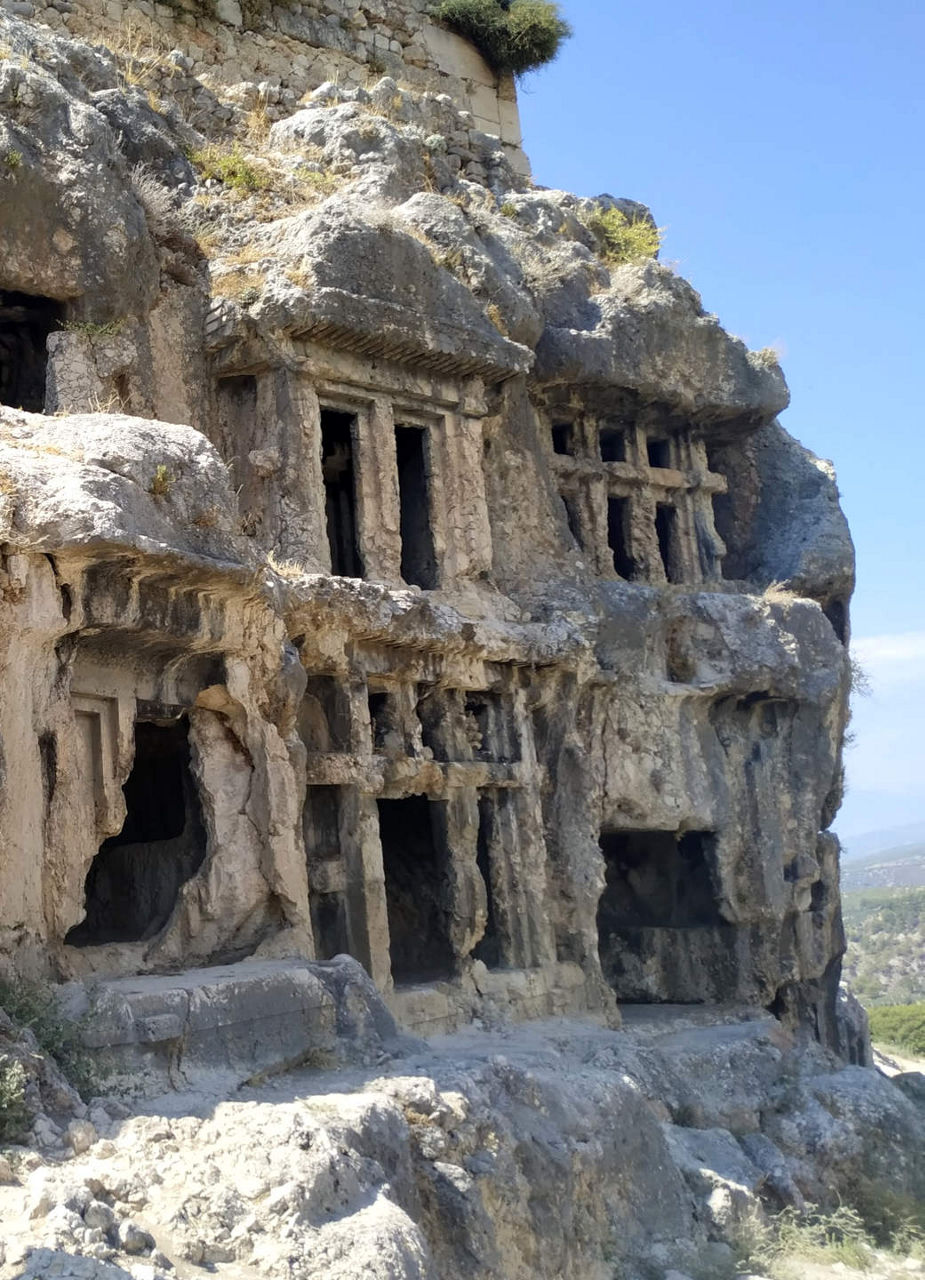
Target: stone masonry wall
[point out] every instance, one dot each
(274, 54)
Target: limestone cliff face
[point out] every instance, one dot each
(476, 618)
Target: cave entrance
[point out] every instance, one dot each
(414, 858)
(563, 439)
(25, 323)
(618, 539)
(134, 881)
(321, 817)
(571, 518)
(612, 443)
(418, 558)
(338, 472)
(658, 452)
(659, 916)
(488, 949)
(666, 528)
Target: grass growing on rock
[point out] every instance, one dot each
(14, 1114)
(34, 1005)
(231, 167)
(511, 35)
(851, 1236)
(622, 239)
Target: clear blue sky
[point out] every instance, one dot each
(781, 145)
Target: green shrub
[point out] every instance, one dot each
(161, 482)
(511, 35)
(781, 1246)
(621, 239)
(14, 1115)
(230, 167)
(33, 1005)
(901, 1026)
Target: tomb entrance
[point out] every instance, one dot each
(25, 323)
(415, 860)
(661, 933)
(133, 882)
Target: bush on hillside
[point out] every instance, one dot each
(511, 35)
(900, 1026)
(621, 239)
(34, 1005)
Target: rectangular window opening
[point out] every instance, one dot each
(658, 450)
(324, 716)
(483, 725)
(383, 721)
(660, 895)
(418, 558)
(612, 444)
(488, 949)
(434, 713)
(417, 888)
(563, 438)
(571, 516)
(666, 527)
(337, 468)
(329, 925)
(618, 524)
(25, 324)
(134, 881)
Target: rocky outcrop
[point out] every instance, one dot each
(388, 581)
(480, 621)
(558, 1149)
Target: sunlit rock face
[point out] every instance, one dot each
(386, 575)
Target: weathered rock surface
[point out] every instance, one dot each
(403, 614)
(544, 1151)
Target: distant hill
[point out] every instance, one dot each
(861, 846)
(885, 963)
(898, 868)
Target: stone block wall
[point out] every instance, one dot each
(277, 53)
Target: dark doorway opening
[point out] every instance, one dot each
(612, 444)
(666, 528)
(133, 882)
(385, 722)
(337, 468)
(837, 613)
(25, 323)
(329, 925)
(324, 858)
(488, 949)
(659, 452)
(661, 933)
(418, 559)
(571, 516)
(658, 879)
(324, 717)
(618, 520)
(414, 858)
(563, 438)
(485, 725)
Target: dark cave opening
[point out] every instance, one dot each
(25, 323)
(618, 516)
(658, 451)
(660, 912)
(563, 439)
(666, 528)
(337, 468)
(488, 949)
(412, 833)
(612, 444)
(134, 881)
(418, 558)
